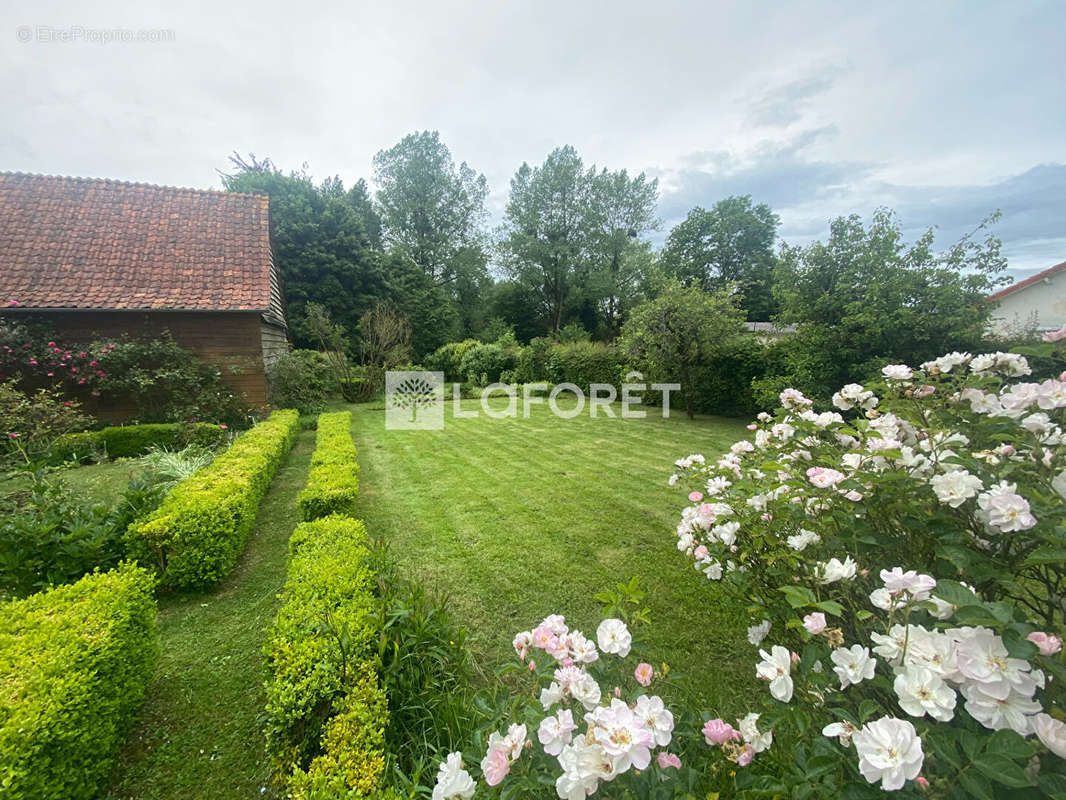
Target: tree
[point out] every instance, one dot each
(864, 298)
(551, 229)
(431, 210)
(733, 242)
(627, 213)
(332, 340)
(385, 341)
(680, 330)
(323, 242)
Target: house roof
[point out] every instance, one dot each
(86, 243)
(1047, 273)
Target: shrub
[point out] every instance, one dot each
(333, 482)
(55, 538)
(195, 537)
(128, 441)
(169, 467)
(29, 424)
(724, 386)
(845, 533)
(448, 359)
(75, 663)
(325, 714)
(584, 363)
(487, 360)
(301, 379)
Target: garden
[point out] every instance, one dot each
(835, 570)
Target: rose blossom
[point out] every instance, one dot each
(495, 766)
(1052, 733)
(814, 623)
(452, 780)
(614, 637)
(665, 760)
(1049, 643)
(717, 731)
(889, 751)
(644, 673)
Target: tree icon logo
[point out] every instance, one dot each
(414, 400)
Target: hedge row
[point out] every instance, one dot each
(333, 481)
(325, 712)
(127, 441)
(75, 662)
(196, 535)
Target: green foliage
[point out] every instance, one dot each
(324, 711)
(669, 338)
(724, 384)
(333, 482)
(864, 298)
(54, 537)
(300, 379)
(485, 359)
(326, 241)
(169, 467)
(448, 358)
(75, 663)
(129, 441)
(731, 244)
(194, 538)
(164, 382)
(29, 424)
(584, 363)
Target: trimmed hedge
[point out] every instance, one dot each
(127, 441)
(333, 482)
(195, 537)
(75, 662)
(325, 712)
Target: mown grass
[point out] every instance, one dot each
(198, 733)
(93, 483)
(518, 518)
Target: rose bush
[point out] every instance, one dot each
(902, 555)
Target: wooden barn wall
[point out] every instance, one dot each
(231, 340)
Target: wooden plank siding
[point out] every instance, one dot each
(235, 341)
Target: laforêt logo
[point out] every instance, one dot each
(414, 400)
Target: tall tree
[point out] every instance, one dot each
(322, 237)
(551, 230)
(432, 211)
(628, 214)
(733, 242)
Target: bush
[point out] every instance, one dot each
(724, 386)
(584, 363)
(325, 714)
(129, 441)
(301, 379)
(195, 537)
(448, 358)
(29, 424)
(333, 480)
(845, 534)
(487, 360)
(75, 663)
(54, 538)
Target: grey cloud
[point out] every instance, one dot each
(784, 105)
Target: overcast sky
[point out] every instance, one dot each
(943, 111)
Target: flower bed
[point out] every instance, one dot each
(128, 441)
(325, 712)
(75, 662)
(333, 482)
(195, 537)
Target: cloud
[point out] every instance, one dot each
(784, 105)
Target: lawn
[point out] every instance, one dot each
(198, 734)
(95, 483)
(518, 518)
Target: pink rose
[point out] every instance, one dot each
(745, 756)
(1049, 643)
(668, 760)
(644, 673)
(495, 766)
(718, 731)
(532, 665)
(701, 552)
(1054, 336)
(695, 497)
(922, 782)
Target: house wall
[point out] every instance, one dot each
(233, 340)
(275, 342)
(1043, 303)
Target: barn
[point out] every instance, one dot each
(101, 258)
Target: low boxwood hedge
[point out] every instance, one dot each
(325, 712)
(127, 441)
(194, 538)
(75, 662)
(333, 482)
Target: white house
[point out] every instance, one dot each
(1038, 302)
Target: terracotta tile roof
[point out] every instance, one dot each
(1047, 273)
(101, 244)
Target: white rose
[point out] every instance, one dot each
(1052, 733)
(452, 780)
(614, 637)
(889, 751)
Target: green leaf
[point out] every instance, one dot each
(1002, 770)
(1046, 555)
(798, 596)
(976, 785)
(830, 607)
(1010, 744)
(867, 708)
